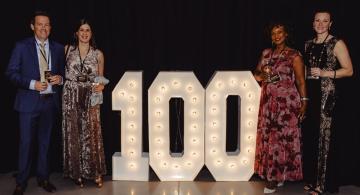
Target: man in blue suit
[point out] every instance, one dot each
(38, 97)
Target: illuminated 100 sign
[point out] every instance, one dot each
(204, 126)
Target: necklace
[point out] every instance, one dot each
(314, 60)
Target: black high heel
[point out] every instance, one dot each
(79, 182)
(315, 191)
(308, 187)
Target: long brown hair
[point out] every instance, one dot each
(75, 41)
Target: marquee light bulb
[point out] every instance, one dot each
(159, 140)
(158, 113)
(214, 124)
(189, 88)
(157, 99)
(232, 165)
(158, 126)
(121, 93)
(250, 123)
(214, 96)
(250, 95)
(132, 98)
(132, 84)
(194, 114)
(131, 111)
(194, 99)
(194, 140)
(132, 126)
(244, 84)
(194, 126)
(219, 84)
(233, 82)
(163, 88)
(176, 84)
(213, 138)
(131, 153)
(131, 139)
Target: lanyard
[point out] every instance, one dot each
(43, 54)
(83, 60)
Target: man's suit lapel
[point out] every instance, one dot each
(54, 67)
(33, 52)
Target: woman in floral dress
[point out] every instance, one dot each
(282, 106)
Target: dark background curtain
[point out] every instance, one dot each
(194, 35)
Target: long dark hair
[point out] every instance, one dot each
(75, 41)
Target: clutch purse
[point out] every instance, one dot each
(97, 97)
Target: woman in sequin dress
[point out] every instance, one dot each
(278, 154)
(82, 138)
(327, 59)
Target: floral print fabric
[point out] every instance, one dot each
(278, 146)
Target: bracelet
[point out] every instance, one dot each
(304, 99)
(334, 74)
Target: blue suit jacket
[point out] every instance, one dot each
(24, 67)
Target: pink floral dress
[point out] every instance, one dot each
(278, 153)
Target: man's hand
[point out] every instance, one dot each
(40, 86)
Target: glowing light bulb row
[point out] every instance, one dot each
(231, 164)
(186, 164)
(127, 98)
(216, 151)
(123, 94)
(233, 82)
(176, 84)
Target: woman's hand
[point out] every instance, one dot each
(261, 75)
(55, 79)
(98, 87)
(302, 111)
(315, 72)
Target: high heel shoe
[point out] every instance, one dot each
(308, 187)
(270, 187)
(79, 182)
(99, 181)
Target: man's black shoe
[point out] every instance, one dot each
(18, 190)
(47, 186)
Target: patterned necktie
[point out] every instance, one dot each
(43, 62)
